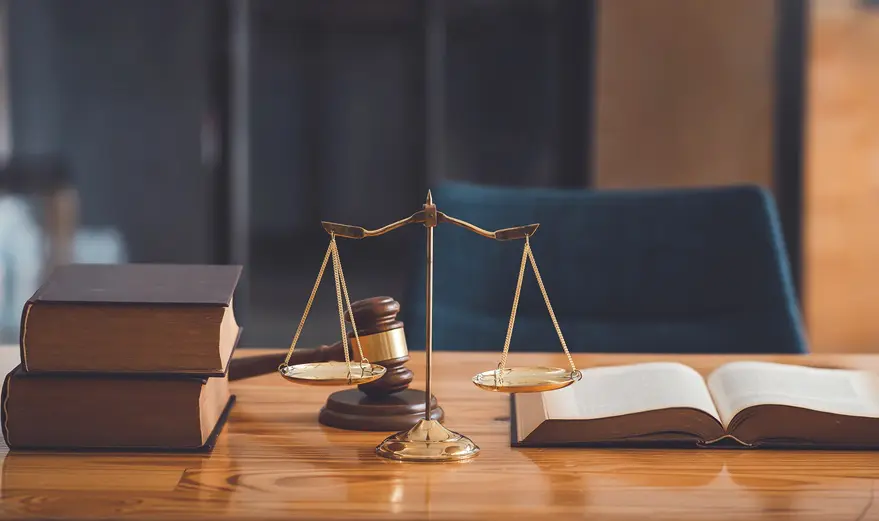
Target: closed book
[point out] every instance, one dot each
(112, 412)
(132, 318)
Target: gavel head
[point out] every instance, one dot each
(382, 341)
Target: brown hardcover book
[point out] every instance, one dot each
(132, 318)
(747, 404)
(112, 412)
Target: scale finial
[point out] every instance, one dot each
(429, 197)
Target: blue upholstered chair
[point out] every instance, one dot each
(662, 271)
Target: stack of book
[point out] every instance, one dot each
(127, 356)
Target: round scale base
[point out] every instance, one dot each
(526, 379)
(427, 441)
(353, 409)
(332, 373)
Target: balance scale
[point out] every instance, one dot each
(429, 439)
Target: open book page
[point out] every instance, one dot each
(739, 385)
(615, 391)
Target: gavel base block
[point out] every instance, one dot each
(352, 409)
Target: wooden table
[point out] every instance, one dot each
(275, 461)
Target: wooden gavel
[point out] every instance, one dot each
(381, 337)
(387, 404)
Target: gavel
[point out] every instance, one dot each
(386, 404)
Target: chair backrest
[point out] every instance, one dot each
(700, 270)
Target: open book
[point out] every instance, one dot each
(741, 403)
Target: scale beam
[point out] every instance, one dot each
(506, 234)
(357, 232)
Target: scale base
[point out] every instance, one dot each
(427, 440)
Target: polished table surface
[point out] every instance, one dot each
(274, 460)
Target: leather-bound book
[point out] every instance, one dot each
(132, 318)
(124, 412)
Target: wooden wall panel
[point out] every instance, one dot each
(842, 178)
(684, 92)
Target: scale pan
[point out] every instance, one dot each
(525, 379)
(333, 373)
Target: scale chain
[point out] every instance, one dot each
(341, 290)
(527, 253)
(320, 275)
(549, 307)
(363, 359)
(339, 300)
(503, 362)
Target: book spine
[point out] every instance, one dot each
(201, 373)
(205, 447)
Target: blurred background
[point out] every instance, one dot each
(209, 131)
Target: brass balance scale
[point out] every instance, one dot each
(427, 440)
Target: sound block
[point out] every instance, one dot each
(352, 409)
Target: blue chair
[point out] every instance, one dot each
(700, 270)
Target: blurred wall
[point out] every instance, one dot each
(842, 177)
(118, 91)
(684, 93)
(333, 115)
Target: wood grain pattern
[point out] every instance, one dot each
(275, 461)
(842, 178)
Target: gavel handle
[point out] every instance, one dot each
(248, 366)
